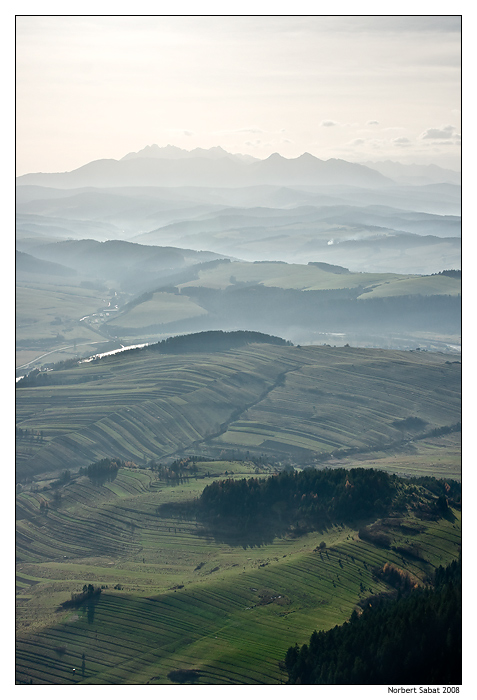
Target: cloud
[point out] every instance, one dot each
(250, 130)
(401, 141)
(442, 132)
(181, 132)
(371, 122)
(356, 142)
(329, 122)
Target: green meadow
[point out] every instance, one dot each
(290, 404)
(163, 307)
(49, 324)
(311, 277)
(180, 601)
(177, 605)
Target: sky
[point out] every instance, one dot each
(361, 88)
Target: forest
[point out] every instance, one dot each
(415, 639)
(331, 308)
(314, 499)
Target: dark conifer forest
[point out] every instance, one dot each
(313, 499)
(416, 639)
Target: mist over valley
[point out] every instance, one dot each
(238, 390)
(353, 261)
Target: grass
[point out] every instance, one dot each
(309, 277)
(162, 308)
(299, 404)
(180, 603)
(285, 276)
(439, 456)
(426, 286)
(176, 599)
(48, 327)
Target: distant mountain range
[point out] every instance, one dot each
(175, 153)
(296, 210)
(169, 167)
(415, 174)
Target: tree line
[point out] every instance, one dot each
(305, 500)
(103, 471)
(414, 639)
(313, 499)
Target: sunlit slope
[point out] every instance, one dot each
(140, 405)
(286, 402)
(313, 277)
(425, 286)
(350, 399)
(161, 308)
(177, 600)
(280, 298)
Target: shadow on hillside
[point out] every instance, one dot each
(184, 675)
(239, 535)
(90, 609)
(236, 532)
(449, 515)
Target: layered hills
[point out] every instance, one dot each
(144, 255)
(239, 420)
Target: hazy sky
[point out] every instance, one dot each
(358, 88)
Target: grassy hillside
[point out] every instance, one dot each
(304, 405)
(312, 277)
(301, 302)
(162, 306)
(66, 294)
(51, 323)
(179, 606)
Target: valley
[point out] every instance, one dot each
(194, 333)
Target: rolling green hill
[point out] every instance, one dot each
(303, 301)
(304, 405)
(312, 277)
(177, 605)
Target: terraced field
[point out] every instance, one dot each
(141, 406)
(178, 606)
(181, 603)
(360, 399)
(288, 403)
(440, 456)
